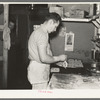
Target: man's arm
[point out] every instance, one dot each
(45, 58)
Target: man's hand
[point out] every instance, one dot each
(63, 64)
(63, 57)
(62, 61)
(59, 63)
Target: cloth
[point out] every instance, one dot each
(40, 86)
(6, 38)
(38, 72)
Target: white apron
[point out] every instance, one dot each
(38, 72)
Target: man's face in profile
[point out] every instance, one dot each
(52, 26)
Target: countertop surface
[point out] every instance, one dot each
(75, 78)
(74, 81)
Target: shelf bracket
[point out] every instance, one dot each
(96, 21)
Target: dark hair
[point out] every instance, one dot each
(54, 16)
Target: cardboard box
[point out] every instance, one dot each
(58, 10)
(77, 13)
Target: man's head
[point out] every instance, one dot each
(52, 22)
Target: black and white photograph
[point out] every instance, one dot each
(33, 49)
(69, 41)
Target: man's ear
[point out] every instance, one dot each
(50, 21)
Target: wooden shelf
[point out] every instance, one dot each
(77, 19)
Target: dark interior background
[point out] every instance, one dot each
(24, 18)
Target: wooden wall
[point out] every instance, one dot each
(83, 34)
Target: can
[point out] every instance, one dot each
(93, 65)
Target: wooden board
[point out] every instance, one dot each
(73, 81)
(77, 19)
(5, 51)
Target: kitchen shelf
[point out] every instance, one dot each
(77, 19)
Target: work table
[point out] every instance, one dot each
(74, 78)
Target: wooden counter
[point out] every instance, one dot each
(74, 81)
